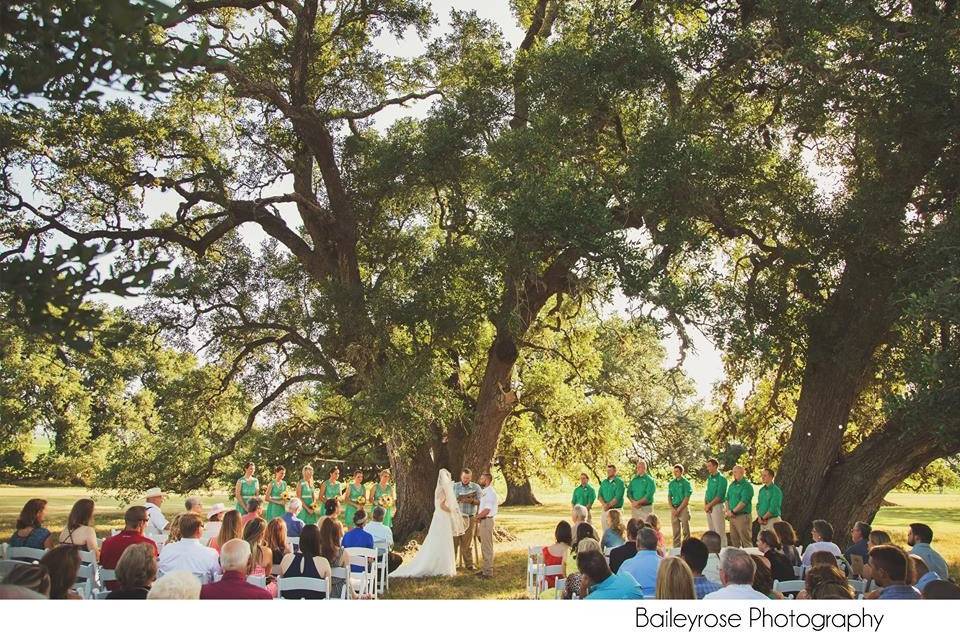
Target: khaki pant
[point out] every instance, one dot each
(680, 521)
(641, 513)
(770, 523)
(485, 528)
(740, 531)
(465, 542)
(715, 522)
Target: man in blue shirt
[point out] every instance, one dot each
(920, 536)
(357, 537)
(890, 569)
(603, 585)
(859, 535)
(643, 566)
(294, 524)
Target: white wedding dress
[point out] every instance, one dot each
(436, 556)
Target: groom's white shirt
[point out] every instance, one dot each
(488, 500)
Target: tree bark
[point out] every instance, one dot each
(520, 494)
(415, 476)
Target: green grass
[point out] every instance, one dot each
(530, 526)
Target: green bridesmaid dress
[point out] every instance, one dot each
(248, 489)
(307, 496)
(353, 493)
(276, 510)
(381, 491)
(332, 490)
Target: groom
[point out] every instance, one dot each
(485, 520)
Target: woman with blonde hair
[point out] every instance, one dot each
(616, 532)
(136, 571)
(306, 491)
(675, 580)
(383, 494)
(261, 558)
(174, 535)
(230, 529)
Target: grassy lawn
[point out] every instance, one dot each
(530, 525)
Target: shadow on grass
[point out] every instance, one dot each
(509, 569)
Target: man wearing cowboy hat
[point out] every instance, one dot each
(215, 519)
(157, 524)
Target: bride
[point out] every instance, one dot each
(436, 556)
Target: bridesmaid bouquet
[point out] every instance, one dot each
(317, 505)
(286, 495)
(386, 501)
(361, 501)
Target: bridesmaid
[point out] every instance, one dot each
(332, 487)
(276, 505)
(310, 512)
(354, 499)
(247, 487)
(384, 494)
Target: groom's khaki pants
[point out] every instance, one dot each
(485, 528)
(465, 542)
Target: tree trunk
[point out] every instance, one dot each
(520, 494)
(495, 401)
(416, 479)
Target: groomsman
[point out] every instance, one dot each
(713, 499)
(611, 493)
(769, 502)
(640, 493)
(584, 495)
(678, 493)
(739, 499)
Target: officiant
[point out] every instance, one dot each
(468, 498)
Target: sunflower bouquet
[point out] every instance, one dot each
(386, 501)
(285, 496)
(318, 505)
(361, 501)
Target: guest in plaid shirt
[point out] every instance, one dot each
(695, 554)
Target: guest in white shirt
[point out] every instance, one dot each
(736, 576)
(189, 554)
(713, 542)
(156, 524)
(383, 537)
(193, 504)
(822, 541)
(214, 520)
(485, 523)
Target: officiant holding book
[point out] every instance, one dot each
(468, 499)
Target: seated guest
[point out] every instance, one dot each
(231, 528)
(859, 534)
(768, 544)
(554, 554)
(890, 568)
(215, 519)
(616, 531)
(234, 560)
(173, 532)
(921, 573)
(763, 577)
(179, 585)
(331, 509)
(79, 531)
(357, 537)
(675, 580)
(34, 577)
(306, 562)
(275, 539)
(29, 530)
(193, 504)
(695, 554)
(135, 523)
(788, 541)
(736, 576)
(152, 500)
(600, 584)
(332, 549)
(294, 524)
(653, 522)
(713, 541)
(920, 537)
(825, 582)
(822, 532)
(578, 514)
(136, 571)
(819, 558)
(261, 557)
(941, 590)
(63, 564)
(584, 531)
(254, 510)
(574, 586)
(643, 566)
(383, 537)
(876, 538)
(628, 549)
(188, 554)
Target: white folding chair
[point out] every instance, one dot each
(534, 560)
(788, 587)
(3, 551)
(318, 585)
(544, 572)
(295, 541)
(674, 552)
(6, 566)
(204, 578)
(383, 567)
(87, 576)
(367, 581)
(25, 553)
(798, 572)
(343, 573)
(107, 575)
(560, 585)
(101, 595)
(260, 581)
